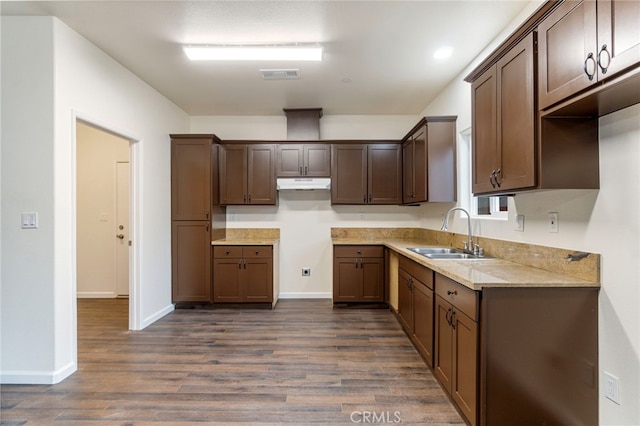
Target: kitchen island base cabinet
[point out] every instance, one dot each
(358, 274)
(243, 274)
(539, 356)
(456, 344)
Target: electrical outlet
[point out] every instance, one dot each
(363, 216)
(520, 223)
(553, 222)
(306, 272)
(612, 387)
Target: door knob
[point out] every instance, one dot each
(120, 236)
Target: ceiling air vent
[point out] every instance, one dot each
(291, 74)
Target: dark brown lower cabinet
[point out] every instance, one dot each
(243, 274)
(405, 301)
(191, 261)
(358, 274)
(415, 305)
(505, 355)
(456, 344)
(539, 356)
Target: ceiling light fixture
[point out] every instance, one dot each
(254, 53)
(443, 52)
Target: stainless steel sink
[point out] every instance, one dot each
(434, 250)
(451, 256)
(442, 253)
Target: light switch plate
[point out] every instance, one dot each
(29, 220)
(520, 223)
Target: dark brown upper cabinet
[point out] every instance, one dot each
(296, 160)
(429, 161)
(518, 146)
(247, 174)
(191, 186)
(583, 43)
(503, 123)
(366, 173)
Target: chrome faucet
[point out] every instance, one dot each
(468, 245)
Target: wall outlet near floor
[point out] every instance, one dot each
(520, 223)
(612, 387)
(553, 222)
(306, 272)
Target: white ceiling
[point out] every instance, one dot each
(378, 55)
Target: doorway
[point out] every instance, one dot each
(103, 193)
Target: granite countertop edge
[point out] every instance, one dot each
(246, 242)
(477, 274)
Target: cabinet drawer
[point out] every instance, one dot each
(417, 271)
(358, 251)
(256, 252)
(231, 252)
(466, 300)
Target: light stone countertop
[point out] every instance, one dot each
(249, 237)
(245, 242)
(476, 274)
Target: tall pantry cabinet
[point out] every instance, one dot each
(196, 215)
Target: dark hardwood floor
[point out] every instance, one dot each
(302, 363)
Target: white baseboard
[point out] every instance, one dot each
(304, 295)
(37, 377)
(96, 295)
(155, 317)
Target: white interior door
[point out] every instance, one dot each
(122, 228)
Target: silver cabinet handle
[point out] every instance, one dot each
(602, 67)
(590, 57)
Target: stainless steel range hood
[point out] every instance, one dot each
(303, 184)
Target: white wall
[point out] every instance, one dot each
(27, 186)
(50, 76)
(305, 219)
(98, 153)
(605, 221)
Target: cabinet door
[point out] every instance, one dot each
(191, 261)
(465, 365)
(405, 300)
(226, 280)
(423, 320)
(407, 171)
(190, 179)
(443, 344)
(233, 174)
(290, 160)
(258, 280)
(317, 160)
(261, 176)
(618, 36)
(385, 174)
(349, 174)
(372, 279)
(420, 168)
(347, 279)
(567, 51)
(516, 117)
(439, 172)
(484, 139)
